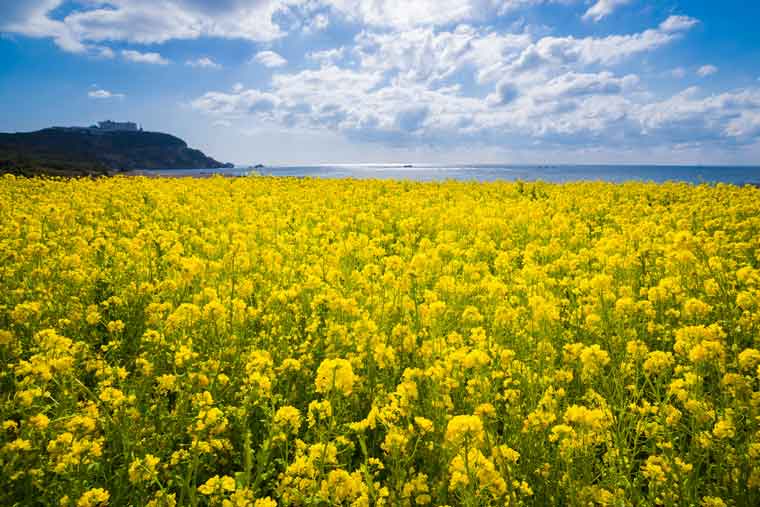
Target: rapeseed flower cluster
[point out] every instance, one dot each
(263, 342)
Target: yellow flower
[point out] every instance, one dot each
(94, 498)
(476, 359)
(114, 397)
(425, 425)
(115, 326)
(6, 337)
(143, 470)
(655, 469)
(19, 444)
(712, 501)
(288, 416)
(217, 485)
(465, 429)
(749, 359)
(183, 355)
(724, 429)
(637, 349)
(39, 421)
(395, 440)
(658, 362)
(593, 359)
(507, 453)
(335, 374)
(475, 465)
(161, 499)
(166, 383)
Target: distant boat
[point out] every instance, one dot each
(407, 166)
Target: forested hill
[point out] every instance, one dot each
(83, 151)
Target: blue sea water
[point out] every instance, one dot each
(738, 175)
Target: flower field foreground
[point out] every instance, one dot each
(297, 342)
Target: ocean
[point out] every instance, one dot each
(737, 175)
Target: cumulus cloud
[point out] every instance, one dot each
(138, 57)
(405, 14)
(270, 59)
(30, 18)
(436, 72)
(574, 84)
(150, 22)
(602, 50)
(417, 55)
(105, 52)
(505, 93)
(237, 104)
(404, 88)
(603, 8)
(104, 94)
(143, 21)
(678, 24)
(328, 56)
(707, 70)
(411, 119)
(691, 118)
(317, 22)
(203, 63)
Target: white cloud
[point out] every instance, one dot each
(404, 88)
(106, 52)
(405, 14)
(317, 22)
(678, 24)
(236, 104)
(421, 54)
(437, 72)
(104, 94)
(138, 57)
(152, 22)
(328, 56)
(578, 85)
(603, 8)
(147, 21)
(29, 17)
(678, 73)
(143, 21)
(689, 118)
(573, 110)
(707, 70)
(204, 63)
(505, 93)
(549, 55)
(270, 59)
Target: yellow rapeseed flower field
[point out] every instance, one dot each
(298, 342)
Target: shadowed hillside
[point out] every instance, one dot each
(80, 151)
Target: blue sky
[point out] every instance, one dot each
(331, 81)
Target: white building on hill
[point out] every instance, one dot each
(113, 125)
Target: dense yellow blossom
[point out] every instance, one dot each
(288, 417)
(465, 429)
(335, 374)
(97, 497)
(255, 342)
